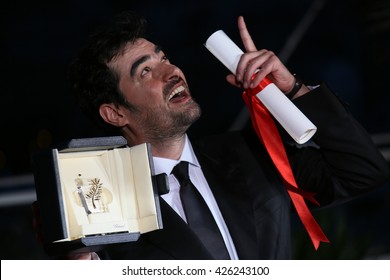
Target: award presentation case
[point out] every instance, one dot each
(93, 192)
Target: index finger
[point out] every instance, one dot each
(245, 36)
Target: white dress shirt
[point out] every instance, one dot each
(163, 165)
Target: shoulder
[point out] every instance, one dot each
(232, 140)
(231, 146)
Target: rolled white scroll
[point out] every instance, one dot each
(297, 125)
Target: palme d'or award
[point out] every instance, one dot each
(93, 192)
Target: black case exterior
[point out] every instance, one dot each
(50, 202)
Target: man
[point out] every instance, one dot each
(126, 82)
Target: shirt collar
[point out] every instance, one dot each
(165, 165)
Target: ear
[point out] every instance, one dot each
(113, 115)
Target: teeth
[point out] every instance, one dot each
(176, 91)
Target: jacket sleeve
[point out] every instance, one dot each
(342, 161)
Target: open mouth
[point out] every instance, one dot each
(177, 94)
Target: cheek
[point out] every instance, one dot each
(141, 93)
(145, 99)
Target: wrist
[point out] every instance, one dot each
(295, 88)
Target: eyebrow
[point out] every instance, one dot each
(141, 60)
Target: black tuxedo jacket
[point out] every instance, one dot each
(341, 163)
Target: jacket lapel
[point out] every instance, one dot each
(227, 182)
(176, 239)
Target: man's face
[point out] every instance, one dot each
(157, 89)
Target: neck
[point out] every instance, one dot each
(169, 147)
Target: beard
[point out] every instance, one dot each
(159, 124)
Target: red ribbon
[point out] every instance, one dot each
(268, 133)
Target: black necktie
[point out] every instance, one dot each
(199, 217)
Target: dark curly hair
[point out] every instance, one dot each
(92, 81)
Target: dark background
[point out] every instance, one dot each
(344, 43)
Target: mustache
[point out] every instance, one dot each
(170, 85)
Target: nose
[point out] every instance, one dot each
(167, 72)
